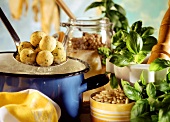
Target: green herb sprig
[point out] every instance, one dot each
(130, 47)
(152, 100)
(159, 64)
(113, 11)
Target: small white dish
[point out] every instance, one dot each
(133, 72)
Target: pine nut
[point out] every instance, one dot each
(115, 96)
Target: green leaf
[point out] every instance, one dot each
(131, 92)
(154, 103)
(121, 60)
(151, 90)
(113, 81)
(134, 42)
(159, 64)
(148, 43)
(140, 110)
(108, 4)
(123, 83)
(147, 31)
(143, 118)
(166, 100)
(104, 51)
(163, 86)
(94, 5)
(140, 57)
(120, 9)
(138, 87)
(136, 26)
(168, 77)
(154, 118)
(143, 79)
(117, 39)
(119, 20)
(164, 114)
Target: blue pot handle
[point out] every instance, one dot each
(94, 82)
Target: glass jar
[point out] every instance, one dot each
(82, 39)
(84, 36)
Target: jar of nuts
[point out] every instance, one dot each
(110, 106)
(88, 33)
(84, 36)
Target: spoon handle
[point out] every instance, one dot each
(9, 28)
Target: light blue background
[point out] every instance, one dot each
(149, 11)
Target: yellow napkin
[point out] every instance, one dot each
(27, 106)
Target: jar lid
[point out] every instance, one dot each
(10, 66)
(87, 22)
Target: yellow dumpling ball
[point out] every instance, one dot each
(36, 37)
(23, 45)
(59, 53)
(28, 56)
(60, 45)
(37, 49)
(47, 43)
(17, 57)
(42, 50)
(44, 58)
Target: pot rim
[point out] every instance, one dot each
(86, 69)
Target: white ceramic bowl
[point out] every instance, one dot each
(132, 73)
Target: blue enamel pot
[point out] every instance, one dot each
(64, 84)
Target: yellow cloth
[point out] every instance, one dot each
(27, 106)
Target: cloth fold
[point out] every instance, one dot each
(28, 106)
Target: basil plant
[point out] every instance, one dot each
(129, 47)
(115, 12)
(152, 100)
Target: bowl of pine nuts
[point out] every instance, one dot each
(110, 106)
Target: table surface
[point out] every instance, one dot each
(85, 112)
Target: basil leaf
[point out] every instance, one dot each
(159, 64)
(131, 92)
(121, 60)
(143, 79)
(134, 42)
(140, 57)
(154, 118)
(151, 90)
(94, 5)
(147, 31)
(154, 103)
(117, 39)
(121, 23)
(120, 9)
(148, 43)
(108, 4)
(104, 51)
(123, 83)
(142, 118)
(164, 114)
(166, 100)
(113, 81)
(136, 26)
(140, 110)
(138, 87)
(168, 77)
(163, 86)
